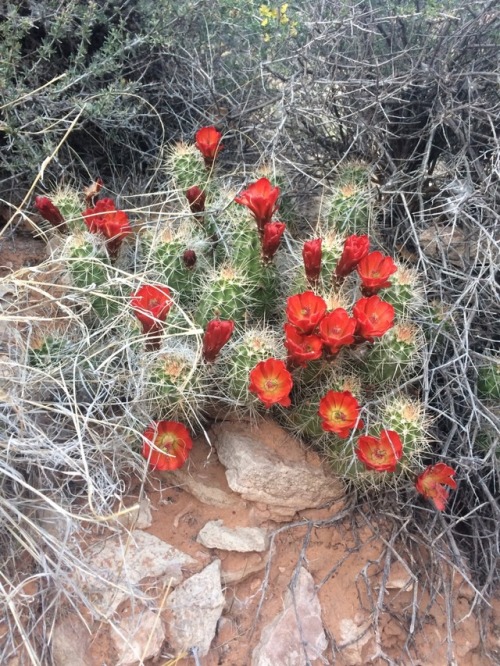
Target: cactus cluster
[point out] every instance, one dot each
(236, 309)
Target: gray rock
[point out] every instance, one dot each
(117, 565)
(268, 466)
(240, 539)
(138, 517)
(295, 637)
(138, 637)
(193, 610)
(70, 644)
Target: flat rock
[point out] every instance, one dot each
(70, 643)
(268, 466)
(117, 565)
(296, 636)
(237, 567)
(138, 636)
(215, 534)
(193, 610)
(204, 478)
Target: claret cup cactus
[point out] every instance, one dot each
(232, 308)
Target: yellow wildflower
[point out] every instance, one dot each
(267, 37)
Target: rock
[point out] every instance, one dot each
(122, 562)
(400, 577)
(266, 465)
(355, 634)
(205, 479)
(138, 636)
(237, 567)
(193, 610)
(137, 517)
(70, 643)
(240, 539)
(283, 642)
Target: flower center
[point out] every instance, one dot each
(271, 384)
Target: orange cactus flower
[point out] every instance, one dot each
(208, 143)
(374, 271)
(374, 316)
(151, 304)
(305, 311)
(337, 329)
(431, 484)
(340, 413)
(311, 254)
(113, 224)
(51, 213)
(196, 198)
(260, 198)
(273, 231)
(380, 453)
(301, 348)
(166, 445)
(271, 382)
(217, 334)
(355, 248)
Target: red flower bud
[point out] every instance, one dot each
(50, 213)
(217, 334)
(189, 258)
(196, 198)
(113, 224)
(355, 248)
(273, 231)
(374, 269)
(260, 198)
(208, 143)
(151, 304)
(311, 254)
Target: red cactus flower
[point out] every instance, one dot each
(273, 231)
(301, 348)
(189, 258)
(374, 269)
(271, 382)
(260, 198)
(166, 445)
(196, 198)
(51, 213)
(217, 334)
(355, 248)
(431, 483)
(151, 304)
(208, 143)
(305, 311)
(337, 329)
(113, 224)
(380, 453)
(340, 413)
(374, 316)
(311, 254)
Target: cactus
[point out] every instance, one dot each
(407, 417)
(88, 264)
(488, 380)
(348, 207)
(228, 294)
(71, 204)
(393, 354)
(186, 167)
(165, 252)
(404, 293)
(242, 356)
(173, 383)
